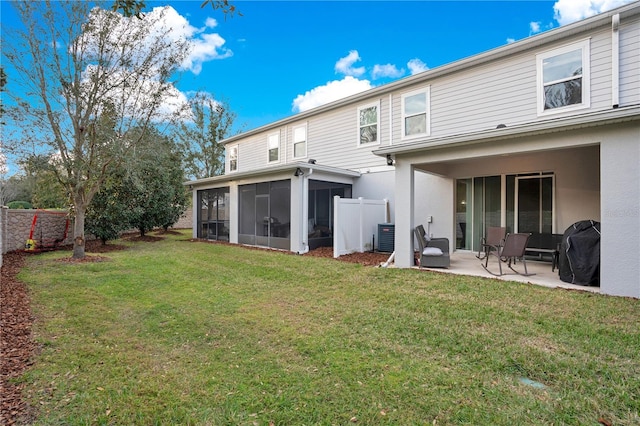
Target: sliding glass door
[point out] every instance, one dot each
(478, 205)
(526, 200)
(534, 204)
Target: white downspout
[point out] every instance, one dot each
(615, 61)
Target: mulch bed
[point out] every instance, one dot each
(16, 343)
(367, 258)
(17, 347)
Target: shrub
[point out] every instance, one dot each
(19, 205)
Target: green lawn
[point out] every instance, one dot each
(180, 332)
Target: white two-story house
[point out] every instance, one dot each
(535, 136)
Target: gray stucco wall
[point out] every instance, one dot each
(620, 240)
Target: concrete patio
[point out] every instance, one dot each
(466, 263)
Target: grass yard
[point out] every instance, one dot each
(180, 332)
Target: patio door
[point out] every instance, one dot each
(534, 200)
(265, 212)
(521, 203)
(478, 205)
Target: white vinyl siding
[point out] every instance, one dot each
(564, 78)
(478, 98)
(629, 64)
(273, 148)
(331, 138)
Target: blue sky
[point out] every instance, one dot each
(283, 57)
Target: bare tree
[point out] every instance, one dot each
(87, 78)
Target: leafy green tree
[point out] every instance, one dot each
(144, 193)
(88, 77)
(108, 214)
(210, 121)
(159, 196)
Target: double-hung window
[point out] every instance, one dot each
(233, 158)
(368, 119)
(300, 142)
(563, 78)
(415, 114)
(273, 145)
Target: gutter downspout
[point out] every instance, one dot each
(615, 60)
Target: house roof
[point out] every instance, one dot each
(266, 171)
(602, 19)
(594, 119)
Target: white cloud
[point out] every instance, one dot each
(510, 40)
(534, 27)
(345, 65)
(211, 23)
(332, 91)
(205, 46)
(416, 66)
(568, 11)
(388, 70)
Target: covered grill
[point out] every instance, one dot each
(579, 260)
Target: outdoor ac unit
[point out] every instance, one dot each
(386, 237)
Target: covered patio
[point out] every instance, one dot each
(583, 168)
(466, 263)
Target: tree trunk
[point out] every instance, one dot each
(78, 231)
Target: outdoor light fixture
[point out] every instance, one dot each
(298, 172)
(312, 161)
(389, 160)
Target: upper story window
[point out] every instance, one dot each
(233, 158)
(300, 142)
(415, 113)
(273, 145)
(563, 78)
(368, 119)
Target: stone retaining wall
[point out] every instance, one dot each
(16, 226)
(186, 220)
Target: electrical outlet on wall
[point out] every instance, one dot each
(429, 219)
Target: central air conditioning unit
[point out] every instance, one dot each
(386, 237)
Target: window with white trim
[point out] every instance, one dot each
(300, 142)
(415, 113)
(563, 78)
(233, 158)
(273, 146)
(368, 119)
